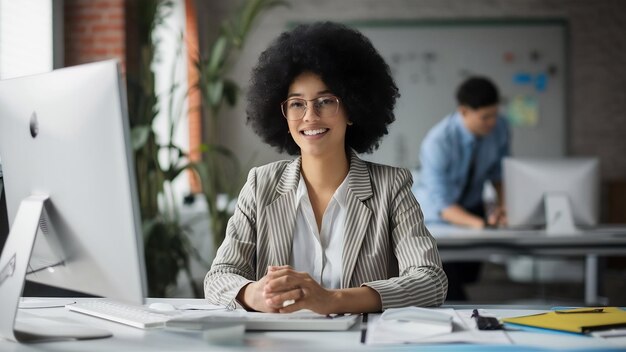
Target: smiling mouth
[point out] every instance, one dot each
(314, 132)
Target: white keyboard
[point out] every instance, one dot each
(136, 316)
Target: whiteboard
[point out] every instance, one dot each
(525, 59)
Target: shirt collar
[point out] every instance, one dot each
(340, 193)
(301, 192)
(467, 137)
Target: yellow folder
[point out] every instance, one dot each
(579, 320)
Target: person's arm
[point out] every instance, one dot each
(233, 266)
(457, 215)
(436, 178)
(498, 216)
(438, 189)
(422, 281)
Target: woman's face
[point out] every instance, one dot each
(322, 129)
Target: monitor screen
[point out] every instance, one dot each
(530, 184)
(64, 135)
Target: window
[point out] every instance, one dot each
(26, 37)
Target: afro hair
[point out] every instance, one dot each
(346, 62)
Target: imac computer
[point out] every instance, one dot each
(70, 189)
(560, 194)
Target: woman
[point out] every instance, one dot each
(327, 231)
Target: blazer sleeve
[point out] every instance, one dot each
(235, 262)
(422, 281)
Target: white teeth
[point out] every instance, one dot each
(315, 132)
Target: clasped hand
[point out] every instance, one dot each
(281, 286)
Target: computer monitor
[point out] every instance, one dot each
(70, 183)
(560, 193)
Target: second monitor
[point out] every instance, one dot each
(560, 193)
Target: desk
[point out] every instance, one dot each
(460, 244)
(131, 339)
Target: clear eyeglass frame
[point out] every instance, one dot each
(318, 106)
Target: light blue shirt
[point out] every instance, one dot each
(445, 157)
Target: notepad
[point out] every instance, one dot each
(409, 325)
(579, 320)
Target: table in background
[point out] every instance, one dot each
(456, 244)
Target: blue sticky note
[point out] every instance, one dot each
(541, 82)
(522, 78)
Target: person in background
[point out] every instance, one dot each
(458, 155)
(326, 231)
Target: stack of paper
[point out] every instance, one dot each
(411, 324)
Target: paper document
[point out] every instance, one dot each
(426, 326)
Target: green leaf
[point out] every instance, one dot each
(147, 226)
(218, 54)
(250, 12)
(231, 91)
(139, 136)
(215, 90)
(228, 30)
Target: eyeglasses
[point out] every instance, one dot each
(295, 108)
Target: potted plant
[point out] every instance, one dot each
(220, 171)
(168, 250)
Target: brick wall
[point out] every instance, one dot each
(194, 98)
(94, 31)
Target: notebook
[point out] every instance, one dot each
(579, 320)
(409, 325)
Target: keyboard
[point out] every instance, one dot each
(136, 316)
(298, 321)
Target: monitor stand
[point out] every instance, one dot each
(559, 219)
(13, 264)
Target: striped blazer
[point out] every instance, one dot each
(386, 244)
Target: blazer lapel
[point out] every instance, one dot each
(281, 215)
(357, 216)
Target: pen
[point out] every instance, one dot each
(363, 327)
(591, 310)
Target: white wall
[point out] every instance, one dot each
(597, 63)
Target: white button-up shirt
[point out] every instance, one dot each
(319, 253)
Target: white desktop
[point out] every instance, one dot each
(70, 189)
(74, 214)
(560, 193)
